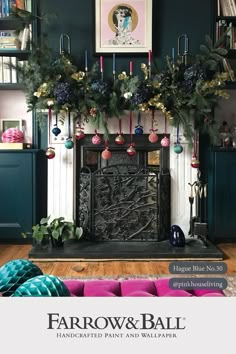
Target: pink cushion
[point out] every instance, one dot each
(132, 285)
(102, 288)
(76, 287)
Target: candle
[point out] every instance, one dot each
(173, 54)
(101, 64)
(131, 67)
(149, 57)
(114, 63)
(86, 60)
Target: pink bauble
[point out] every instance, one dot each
(13, 135)
(79, 134)
(50, 153)
(153, 137)
(195, 162)
(96, 139)
(131, 150)
(119, 140)
(165, 142)
(106, 154)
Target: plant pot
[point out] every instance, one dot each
(57, 243)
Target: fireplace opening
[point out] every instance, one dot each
(125, 198)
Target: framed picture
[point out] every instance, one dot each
(10, 123)
(123, 27)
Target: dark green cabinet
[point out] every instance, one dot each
(23, 192)
(222, 195)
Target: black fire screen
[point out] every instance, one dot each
(122, 203)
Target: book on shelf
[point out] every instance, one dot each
(15, 146)
(20, 4)
(6, 70)
(227, 7)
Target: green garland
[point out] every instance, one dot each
(187, 94)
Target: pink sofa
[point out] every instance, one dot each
(131, 287)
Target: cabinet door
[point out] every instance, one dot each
(222, 206)
(16, 193)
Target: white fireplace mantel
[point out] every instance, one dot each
(61, 176)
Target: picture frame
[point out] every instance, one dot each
(123, 27)
(10, 123)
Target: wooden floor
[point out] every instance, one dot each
(108, 268)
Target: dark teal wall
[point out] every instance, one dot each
(171, 18)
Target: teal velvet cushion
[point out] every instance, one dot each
(16, 272)
(42, 285)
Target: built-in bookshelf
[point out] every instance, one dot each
(15, 39)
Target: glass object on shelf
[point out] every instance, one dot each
(225, 135)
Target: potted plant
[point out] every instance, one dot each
(56, 231)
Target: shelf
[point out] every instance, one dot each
(226, 18)
(10, 22)
(11, 87)
(20, 54)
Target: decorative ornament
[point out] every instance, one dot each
(106, 154)
(69, 143)
(153, 137)
(79, 133)
(96, 139)
(50, 153)
(13, 135)
(139, 128)
(119, 140)
(56, 131)
(131, 150)
(195, 162)
(165, 142)
(177, 237)
(178, 148)
(16, 272)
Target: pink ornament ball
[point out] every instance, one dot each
(96, 140)
(106, 154)
(13, 135)
(195, 162)
(131, 150)
(50, 153)
(165, 142)
(153, 137)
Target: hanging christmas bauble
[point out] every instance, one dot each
(69, 144)
(165, 142)
(153, 137)
(119, 139)
(131, 150)
(79, 134)
(138, 130)
(50, 153)
(96, 139)
(195, 162)
(106, 154)
(56, 131)
(178, 148)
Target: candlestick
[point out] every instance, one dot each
(131, 68)
(149, 57)
(114, 64)
(101, 64)
(86, 60)
(173, 55)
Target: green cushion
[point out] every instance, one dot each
(43, 285)
(16, 272)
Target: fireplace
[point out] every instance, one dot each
(125, 199)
